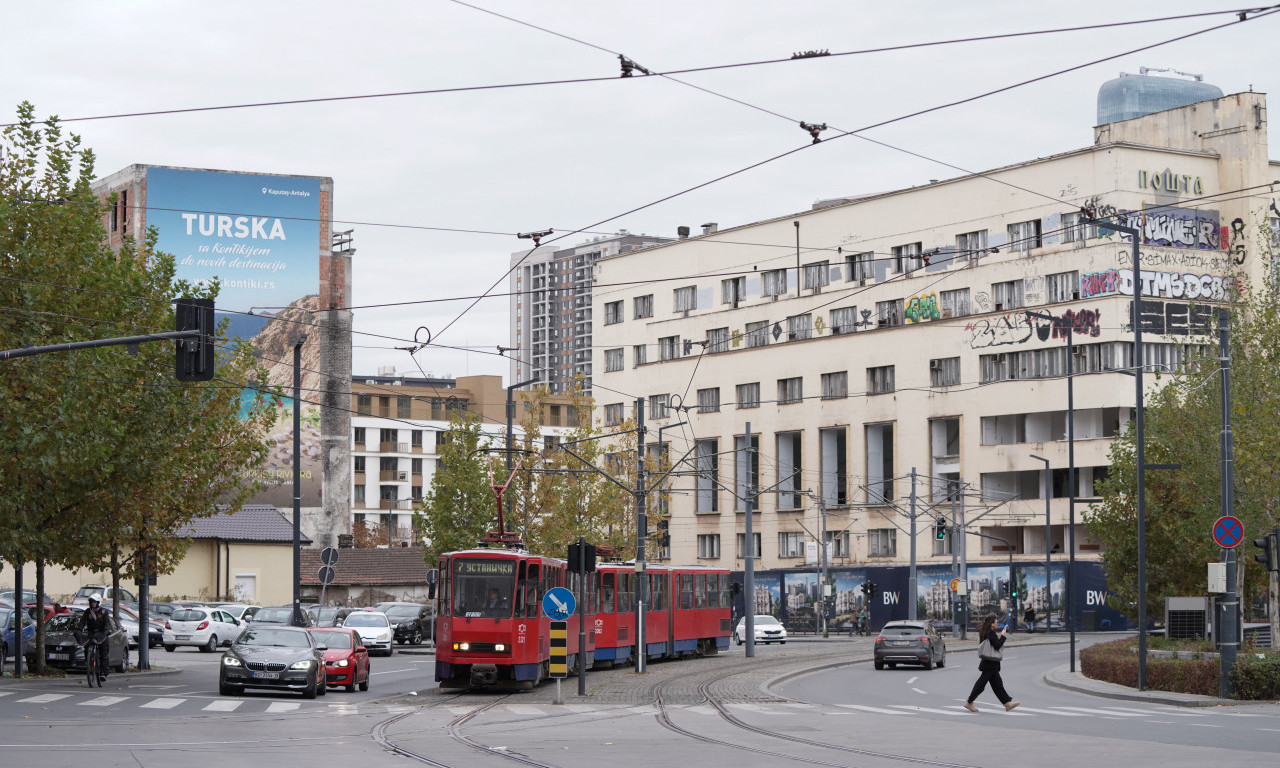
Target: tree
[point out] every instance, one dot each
(459, 507)
(1183, 425)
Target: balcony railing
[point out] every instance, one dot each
(393, 447)
(393, 475)
(404, 504)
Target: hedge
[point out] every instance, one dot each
(1254, 676)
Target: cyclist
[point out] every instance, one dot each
(95, 623)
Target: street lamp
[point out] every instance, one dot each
(1048, 578)
(511, 415)
(662, 452)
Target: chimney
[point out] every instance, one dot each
(710, 227)
(682, 233)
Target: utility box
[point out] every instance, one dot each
(1217, 578)
(1186, 617)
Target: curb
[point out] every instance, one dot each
(1060, 677)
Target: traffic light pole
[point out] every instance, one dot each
(911, 578)
(1229, 638)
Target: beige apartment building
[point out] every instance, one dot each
(903, 356)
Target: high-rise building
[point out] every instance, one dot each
(551, 322)
(1129, 96)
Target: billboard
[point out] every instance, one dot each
(260, 237)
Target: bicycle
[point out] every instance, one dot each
(93, 662)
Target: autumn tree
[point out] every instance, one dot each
(458, 508)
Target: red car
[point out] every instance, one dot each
(346, 662)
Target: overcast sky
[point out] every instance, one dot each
(489, 163)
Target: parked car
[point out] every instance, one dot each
(62, 650)
(280, 614)
(768, 630)
(273, 656)
(108, 594)
(129, 620)
(8, 628)
(205, 628)
(346, 660)
(330, 615)
(161, 611)
(374, 630)
(910, 642)
(241, 611)
(28, 596)
(411, 621)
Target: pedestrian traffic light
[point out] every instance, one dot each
(1269, 556)
(940, 528)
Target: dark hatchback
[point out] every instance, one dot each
(63, 651)
(910, 642)
(281, 615)
(411, 622)
(273, 656)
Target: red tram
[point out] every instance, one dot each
(491, 629)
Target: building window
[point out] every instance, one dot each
(799, 327)
(880, 380)
(709, 400)
(878, 442)
(613, 312)
(359, 464)
(644, 306)
(758, 334)
(669, 347)
(1007, 295)
(882, 542)
(718, 340)
(1064, 286)
(844, 320)
(358, 438)
(906, 258)
(954, 303)
(707, 483)
(1075, 230)
(835, 385)
(749, 395)
(746, 468)
(658, 406)
(1024, 236)
(889, 313)
(994, 367)
(790, 390)
(359, 494)
(708, 546)
(613, 414)
(859, 266)
(817, 275)
(639, 354)
(944, 372)
(775, 282)
(686, 298)
(790, 470)
(415, 439)
(614, 359)
(790, 545)
(403, 405)
(364, 405)
(742, 545)
(838, 545)
(733, 290)
(971, 245)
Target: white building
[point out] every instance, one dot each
(894, 338)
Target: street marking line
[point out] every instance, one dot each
(1099, 712)
(103, 701)
(911, 680)
(931, 710)
(1205, 725)
(797, 704)
(1052, 712)
(162, 703)
(284, 706)
(524, 709)
(1156, 712)
(917, 690)
(44, 698)
(223, 706)
(6, 693)
(877, 710)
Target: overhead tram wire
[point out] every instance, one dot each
(1258, 11)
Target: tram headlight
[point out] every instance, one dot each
(462, 646)
(500, 647)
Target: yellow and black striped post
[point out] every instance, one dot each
(559, 653)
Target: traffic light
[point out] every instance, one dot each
(664, 533)
(871, 588)
(194, 358)
(866, 587)
(1004, 588)
(1269, 555)
(940, 528)
(1013, 590)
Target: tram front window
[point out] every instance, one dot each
(484, 588)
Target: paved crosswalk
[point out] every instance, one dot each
(49, 702)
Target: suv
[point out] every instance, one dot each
(910, 642)
(280, 614)
(411, 622)
(108, 594)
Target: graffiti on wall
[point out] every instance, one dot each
(1000, 331)
(1079, 322)
(1173, 227)
(1180, 260)
(1172, 318)
(1172, 285)
(1237, 241)
(1033, 290)
(922, 308)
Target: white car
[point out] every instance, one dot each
(374, 629)
(768, 630)
(240, 611)
(205, 628)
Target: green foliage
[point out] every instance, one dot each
(459, 508)
(1256, 676)
(1117, 662)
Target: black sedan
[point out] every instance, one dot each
(910, 642)
(273, 656)
(63, 651)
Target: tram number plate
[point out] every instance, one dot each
(266, 675)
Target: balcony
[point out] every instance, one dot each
(394, 475)
(393, 447)
(400, 504)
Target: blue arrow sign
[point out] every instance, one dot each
(1228, 531)
(558, 604)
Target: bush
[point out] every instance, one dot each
(1117, 662)
(1256, 676)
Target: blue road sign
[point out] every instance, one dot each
(558, 604)
(1228, 531)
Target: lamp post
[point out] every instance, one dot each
(662, 452)
(297, 483)
(511, 415)
(1048, 578)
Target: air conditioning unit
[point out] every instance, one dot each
(935, 365)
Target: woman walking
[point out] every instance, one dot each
(989, 655)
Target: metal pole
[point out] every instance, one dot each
(297, 482)
(17, 620)
(1140, 456)
(642, 524)
(955, 569)
(511, 415)
(964, 563)
(748, 551)
(1048, 578)
(584, 591)
(822, 562)
(1229, 636)
(911, 577)
(1071, 496)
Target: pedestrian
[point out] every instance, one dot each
(1029, 618)
(864, 621)
(989, 655)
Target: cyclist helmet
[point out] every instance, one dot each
(95, 598)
